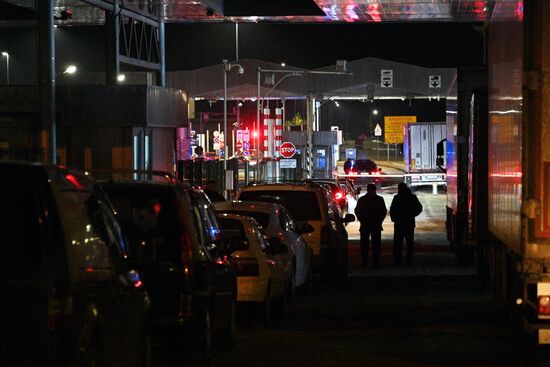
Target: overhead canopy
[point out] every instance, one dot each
(89, 12)
(363, 80)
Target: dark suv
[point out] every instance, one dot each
(176, 245)
(68, 295)
(361, 166)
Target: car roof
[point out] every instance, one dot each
(239, 217)
(259, 206)
(283, 186)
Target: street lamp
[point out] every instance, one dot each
(71, 69)
(227, 67)
(7, 56)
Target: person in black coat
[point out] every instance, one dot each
(370, 211)
(404, 208)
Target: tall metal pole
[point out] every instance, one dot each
(224, 123)
(7, 56)
(257, 173)
(162, 55)
(8, 69)
(48, 141)
(112, 26)
(236, 41)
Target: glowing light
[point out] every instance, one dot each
(73, 180)
(71, 69)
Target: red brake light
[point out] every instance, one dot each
(544, 306)
(339, 195)
(74, 181)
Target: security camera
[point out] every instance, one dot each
(240, 71)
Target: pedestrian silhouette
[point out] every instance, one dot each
(370, 211)
(404, 208)
(348, 165)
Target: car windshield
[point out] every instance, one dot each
(302, 205)
(261, 218)
(232, 228)
(149, 218)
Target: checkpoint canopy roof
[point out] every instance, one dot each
(72, 12)
(368, 78)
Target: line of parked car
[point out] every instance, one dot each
(106, 272)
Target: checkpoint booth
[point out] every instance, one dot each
(324, 154)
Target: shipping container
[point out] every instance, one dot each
(499, 169)
(420, 153)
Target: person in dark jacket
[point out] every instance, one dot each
(404, 208)
(370, 211)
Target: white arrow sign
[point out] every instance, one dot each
(435, 81)
(386, 78)
(377, 130)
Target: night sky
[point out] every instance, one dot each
(190, 46)
(315, 45)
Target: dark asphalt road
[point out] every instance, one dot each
(434, 313)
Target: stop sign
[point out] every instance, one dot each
(287, 150)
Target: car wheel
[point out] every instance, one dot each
(227, 337)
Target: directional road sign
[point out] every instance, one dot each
(435, 81)
(386, 78)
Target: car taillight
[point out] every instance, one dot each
(246, 267)
(60, 308)
(325, 236)
(544, 306)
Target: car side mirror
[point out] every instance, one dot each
(276, 247)
(348, 218)
(305, 228)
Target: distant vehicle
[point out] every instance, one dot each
(260, 271)
(176, 243)
(362, 166)
(311, 203)
(69, 295)
(420, 153)
(339, 194)
(277, 222)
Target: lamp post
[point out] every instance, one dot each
(7, 56)
(227, 67)
(71, 69)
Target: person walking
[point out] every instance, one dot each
(404, 208)
(370, 211)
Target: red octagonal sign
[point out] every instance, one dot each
(287, 150)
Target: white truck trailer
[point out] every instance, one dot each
(420, 153)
